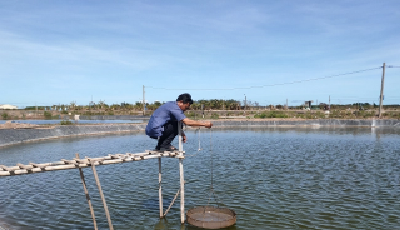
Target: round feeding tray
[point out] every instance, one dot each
(211, 217)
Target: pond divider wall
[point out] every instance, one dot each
(108, 117)
(331, 123)
(18, 136)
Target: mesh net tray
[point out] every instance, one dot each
(210, 217)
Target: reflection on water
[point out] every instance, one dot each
(273, 179)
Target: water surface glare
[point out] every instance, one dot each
(272, 179)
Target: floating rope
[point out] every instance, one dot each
(212, 192)
(199, 149)
(199, 139)
(172, 203)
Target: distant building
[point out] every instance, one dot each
(6, 106)
(141, 102)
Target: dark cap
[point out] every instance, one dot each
(186, 98)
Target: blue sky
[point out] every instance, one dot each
(56, 52)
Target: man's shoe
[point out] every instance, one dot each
(168, 148)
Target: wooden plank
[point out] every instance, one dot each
(35, 170)
(42, 166)
(4, 173)
(115, 156)
(59, 167)
(21, 171)
(96, 163)
(68, 161)
(87, 162)
(129, 159)
(97, 159)
(10, 168)
(21, 166)
(138, 154)
(82, 161)
(150, 157)
(106, 162)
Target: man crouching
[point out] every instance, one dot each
(163, 124)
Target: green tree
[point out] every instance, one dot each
(5, 116)
(47, 115)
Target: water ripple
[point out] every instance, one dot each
(273, 179)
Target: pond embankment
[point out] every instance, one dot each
(18, 135)
(12, 136)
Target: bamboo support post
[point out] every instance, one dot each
(160, 196)
(96, 177)
(182, 181)
(87, 195)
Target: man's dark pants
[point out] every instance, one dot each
(170, 131)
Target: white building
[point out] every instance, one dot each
(6, 106)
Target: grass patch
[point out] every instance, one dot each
(65, 123)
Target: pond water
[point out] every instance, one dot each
(272, 179)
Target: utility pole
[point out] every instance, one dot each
(244, 112)
(381, 96)
(329, 102)
(287, 104)
(144, 103)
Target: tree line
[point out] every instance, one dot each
(213, 104)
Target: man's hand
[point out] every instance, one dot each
(208, 125)
(184, 138)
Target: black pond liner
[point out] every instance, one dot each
(211, 217)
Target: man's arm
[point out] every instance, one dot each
(189, 122)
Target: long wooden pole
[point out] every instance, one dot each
(96, 177)
(182, 180)
(87, 195)
(160, 196)
(381, 96)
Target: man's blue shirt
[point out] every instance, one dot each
(169, 111)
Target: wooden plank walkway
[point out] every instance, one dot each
(76, 163)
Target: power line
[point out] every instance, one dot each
(286, 83)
